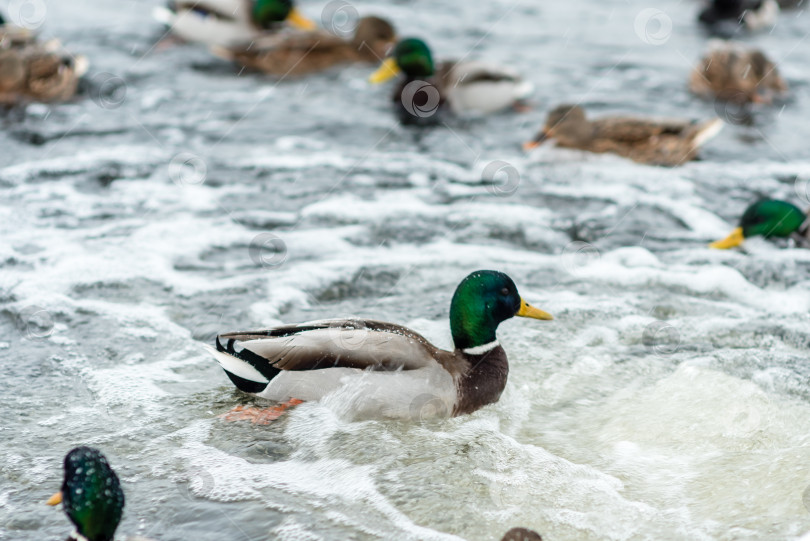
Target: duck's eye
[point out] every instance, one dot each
(505, 292)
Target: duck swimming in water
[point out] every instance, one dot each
(396, 372)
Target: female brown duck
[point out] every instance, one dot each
(300, 53)
(731, 72)
(650, 141)
(31, 71)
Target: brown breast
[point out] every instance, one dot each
(482, 382)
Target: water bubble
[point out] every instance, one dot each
(340, 18)
(661, 338)
(267, 250)
(503, 178)
(578, 254)
(187, 168)
(653, 26)
(420, 98)
(35, 323)
(109, 91)
(27, 13)
(428, 406)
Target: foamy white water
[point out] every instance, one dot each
(669, 399)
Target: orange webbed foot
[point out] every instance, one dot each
(259, 416)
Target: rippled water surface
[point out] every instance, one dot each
(670, 399)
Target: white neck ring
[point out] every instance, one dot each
(480, 350)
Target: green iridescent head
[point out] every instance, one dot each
(767, 218)
(413, 57)
(481, 302)
(267, 13)
(410, 56)
(91, 494)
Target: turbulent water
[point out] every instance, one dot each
(180, 198)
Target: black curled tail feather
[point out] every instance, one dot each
(261, 364)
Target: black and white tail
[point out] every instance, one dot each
(248, 371)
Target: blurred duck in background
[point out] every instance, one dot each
(731, 72)
(769, 218)
(91, 495)
(521, 534)
(643, 140)
(727, 17)
(465, 87)
(34, 71)
(301, 53)
(227, 23)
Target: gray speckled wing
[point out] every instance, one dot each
(348, 343)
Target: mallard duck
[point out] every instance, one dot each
(650, 141)
(227, 23)
(299, 53)
(36, 72)
(92, 496)
(726, 16)
(467, 87)
(394, 372)
(521, 534)
(733, 73)
(768, 218)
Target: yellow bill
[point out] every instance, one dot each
(387, 70)
(527, 310)
(56, 499)
(297, 19)
(735, 239)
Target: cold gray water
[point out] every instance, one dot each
(180, 197)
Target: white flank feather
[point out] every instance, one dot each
(710, 130)
(236, 366)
